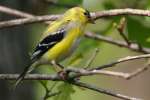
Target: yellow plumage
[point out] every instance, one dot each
(61, 37)
(62, 48)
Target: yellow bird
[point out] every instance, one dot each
(60, 39)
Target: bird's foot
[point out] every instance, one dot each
(63, 75)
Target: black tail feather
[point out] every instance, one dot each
(23, 74)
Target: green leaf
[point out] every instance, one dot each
(138, 31)
(66, 90)
(87, 44)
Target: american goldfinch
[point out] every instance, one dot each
(60, 39)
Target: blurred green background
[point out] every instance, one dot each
(17, 42)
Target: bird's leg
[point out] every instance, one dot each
(60, 69)
(57, 67)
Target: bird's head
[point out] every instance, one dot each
(78, 14)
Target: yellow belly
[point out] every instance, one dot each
(62, 49)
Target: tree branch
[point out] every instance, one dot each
(132, 46)
(77, 73)
(117, 12)
(100, 90)
(22, 21)
(95, 16)
(14, 12)
(58, 78)
(90, 61)
(17, 13)
(85, 72)
(121, 27)
(54, 77)
(128, 58)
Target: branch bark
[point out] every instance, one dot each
(85, 72)
(132, 46)
(95, 16)
(77, 83)
(108, 92)
(22, 21)
(117, 12)
(14, 12)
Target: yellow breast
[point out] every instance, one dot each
(62, 49)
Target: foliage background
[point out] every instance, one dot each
(18, 41)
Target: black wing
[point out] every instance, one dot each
(47, 43)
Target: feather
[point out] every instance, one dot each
(47, 43)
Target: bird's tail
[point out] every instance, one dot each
(27, 70)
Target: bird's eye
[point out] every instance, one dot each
(87, 13)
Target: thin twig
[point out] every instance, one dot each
(17, 13)
(83, 72)
(121, 28)
(78, 73)
(137, 72)
(22, 21)
(14, 12)
(48, 92)
(52, 87)
(89, 62)
(128, 58)
(132, 46)
(100, 90)
(117, 12)
(44, 85)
